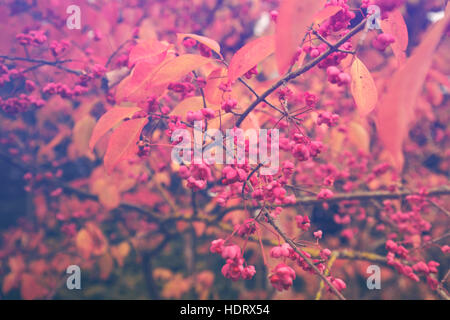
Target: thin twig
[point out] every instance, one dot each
(56, 64)
(301, 70)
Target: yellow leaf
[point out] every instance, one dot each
(120, 252)
(359, 137)
(82, 132)
(363, 88)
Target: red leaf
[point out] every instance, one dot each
(249, 56)
(396, 26)
(396, 108)
(326, 13)
(292, 22)
(122, 143)
(108, 121)
(363, 87)
(210, 43)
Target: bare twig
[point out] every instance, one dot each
(56, 64)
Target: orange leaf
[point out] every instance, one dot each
(249, 56)
(82, 131)
(162, 274)
(109, 196)
(122, 143)
(84, 243)
(151, 50)
(31, 289)
(38, 267)
(396, 26)
(120, 252)
(188, 104)
(109, 120)
(326, 13)
(210, 43)
(137, 86)
(359, 136)
(396, 108)
(106, 265)
(293, 20)
(212, 92)
(91, 241)
(9, 282)
(199, 227)
(99, 240)
(363, 87)
(16, 264)
(178, 67)
(147, 79)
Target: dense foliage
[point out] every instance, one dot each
(89, 120)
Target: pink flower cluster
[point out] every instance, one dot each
(234, 268)
(63, 90)
(228, 105)
(197, 175)
(59, 47)
(339, 284)
(285, 251)
(274, 192)
(301, 147)
(303, 222)
(282, 277)
(21, 103)
(420, 267)
(328, 118)
(34, 38)
(382, 41)
(205, 113)
(338, 77)
(251, 72)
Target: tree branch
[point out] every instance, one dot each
(301, 70)
(40, 62)
(363, 195)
